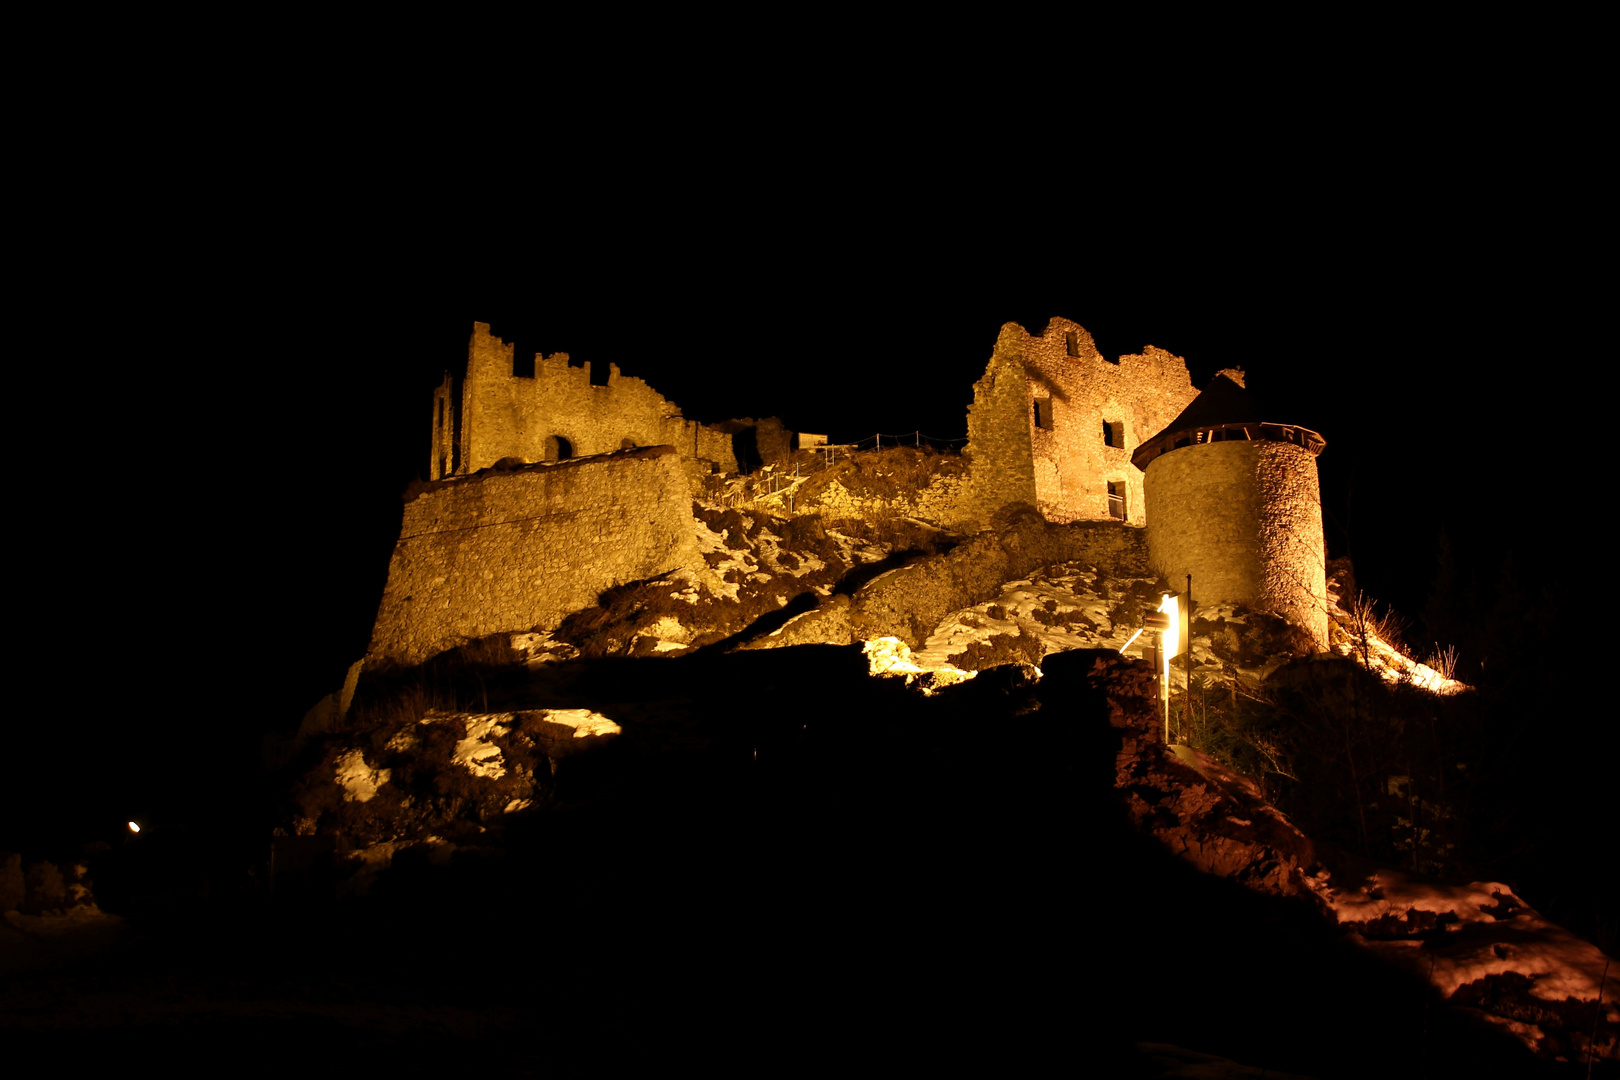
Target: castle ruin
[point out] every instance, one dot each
(1053, 424)
(549, 486)
(1224, 492)
(505, 406)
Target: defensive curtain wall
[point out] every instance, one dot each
(523, 548)
(541, 408)
(909, 602)
(1053, 424)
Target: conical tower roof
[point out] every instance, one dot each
(1225, 402)
(1228, 408)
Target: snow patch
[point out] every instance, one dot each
(891, 656)
(714, 543)
(1487, 931)
(1063, 605)
(541, 648)
(583, 721)
(480, 756)
(358, 780)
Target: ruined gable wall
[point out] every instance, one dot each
(1002, 470)
(506, 415)
(519, 550)
(1073, 464)
(1245, 520)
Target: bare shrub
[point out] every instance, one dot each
(1444, 660)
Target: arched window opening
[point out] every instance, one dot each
(558, 448)
(627, 443)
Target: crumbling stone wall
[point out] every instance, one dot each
(557, 413)
(1003, 469)
(909, 602)
(1244, 518)
(521, 549)
(1036, 429)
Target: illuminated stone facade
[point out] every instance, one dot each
(1245, 520)
(541, 408)
(521, 549)
(1237, 505)
(1053, 424)
(1233, 499)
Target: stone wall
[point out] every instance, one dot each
(1036, 427)
(1245, 520)
(506, 415)
(522, 549)
(556, 413)
(909, 602)
(1137, 396)
(1002, 470)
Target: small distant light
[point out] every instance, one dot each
(134, 827)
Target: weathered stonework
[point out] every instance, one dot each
(909, 602)
(1054, 424)
(491, 413)
(521, 549)
(1244, 518)
(1053, 428)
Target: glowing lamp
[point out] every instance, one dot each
(1170, 608)
(134, 827)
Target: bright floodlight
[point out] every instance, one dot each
(1170, 605)
(134, 827)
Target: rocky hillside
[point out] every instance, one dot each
(682, 694)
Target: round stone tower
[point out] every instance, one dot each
(1233, 499)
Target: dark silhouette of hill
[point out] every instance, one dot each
(782, 860)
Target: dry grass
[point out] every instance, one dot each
(884, 475)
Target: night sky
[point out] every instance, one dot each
(226, 427)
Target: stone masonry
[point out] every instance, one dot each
(547, 409)
(1244, 518)
(521, 549)
(1053, 424)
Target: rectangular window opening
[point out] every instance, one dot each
(1114, 433)
(1043, 413)
(1071, 343)
(1116, 500)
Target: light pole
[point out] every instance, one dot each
(1167, 622)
